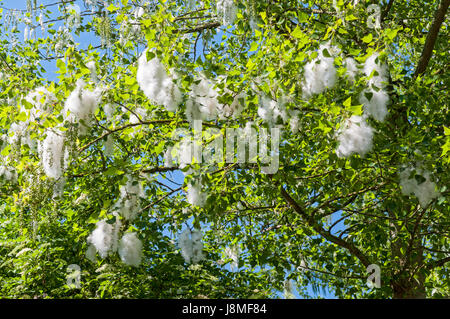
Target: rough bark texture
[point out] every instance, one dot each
(439, 17)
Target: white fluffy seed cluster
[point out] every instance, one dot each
(288, 289)
(375, 98)
(18, 133)
(320, 73)
(63, 39)
(105, 240)
(130, 249)
(351, 69)
(227, 10)
(190, 243)
(355, 137)
(128, 204)
(81, 105)
(91, 66)
(52, 154)
(203, 103)
(8, 173)
(424, 191)
(130, 29)
(42, 101)
(102, 238)
(194, 194)
(168, 158)
(270, 111)
(157, 85)
(233, 253)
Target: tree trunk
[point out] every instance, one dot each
(409, 290)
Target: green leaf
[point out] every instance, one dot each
(263, 15)
(348, 102)
(254, 46)
(302, 17)
(22, 117)
(391, 33)
(60, 64)
(112, 8)
(297, 33)
(356, 109)
(368, 38)
(446, 130)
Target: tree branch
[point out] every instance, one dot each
(209, 25)
(439, 17)
(438, 263)
(321, 231)
(385, 12)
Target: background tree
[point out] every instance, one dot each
(89, 121)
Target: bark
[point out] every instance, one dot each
(439, 17)
(411, 289)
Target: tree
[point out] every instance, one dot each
(91, 159)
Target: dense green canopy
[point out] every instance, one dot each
(358, 90)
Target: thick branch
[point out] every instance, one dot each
(386, 11)
(209, 25)
(328, 236)
(439, 263)
(439, 17)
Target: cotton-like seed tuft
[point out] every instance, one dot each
(168, 160)
(109, 111)
(130, 249)
(355, 137)
(376, 106)
(8, 173)
(294, 122)
(115, 233)
(184, 241)
(288, 289)
(194, 195)
(91, 66)
(233, 253)
(192, 112)
(320, 73)
(191, 245)
(227, 10)
(128, 204)
(182, 152)
(235, 108)
(425, 191)
(373, 64)
(270, 110)
(16, 132)
(81, 104)
(139, 12)
(138, 115)
(352, 69)
(156, 84)
(206, 96)
(58, 188)
(102, 238)
(203, 103)
(42, 101)
(52, 154)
